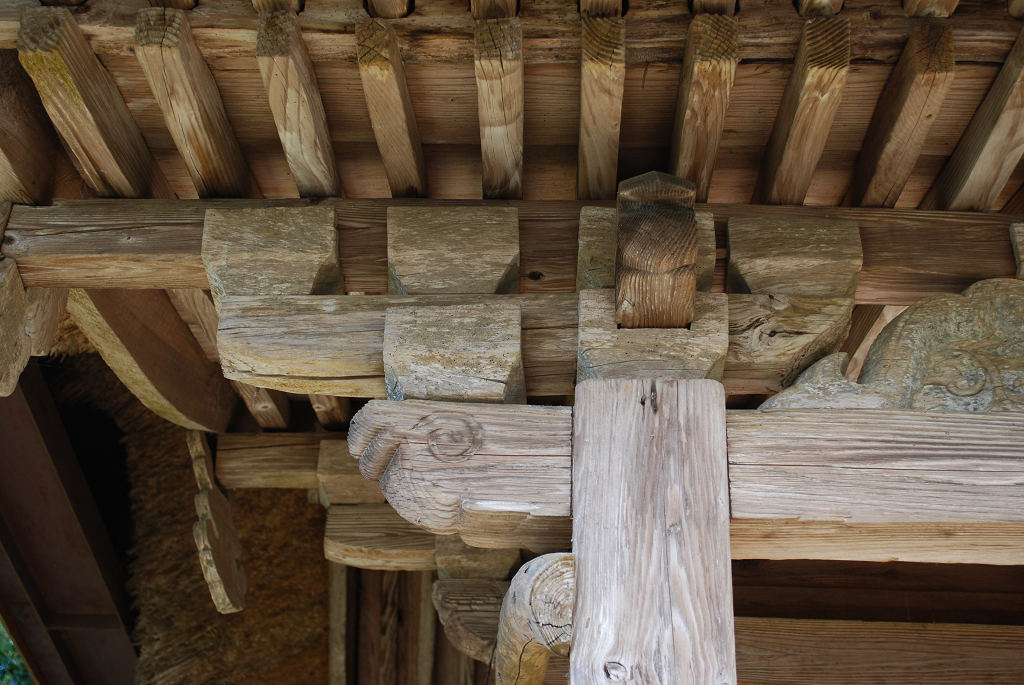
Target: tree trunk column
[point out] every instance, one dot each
(650, 507)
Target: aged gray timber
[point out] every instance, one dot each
(653, 572)
(598, 243)
(606, 351)
(477, 455)
(656, 257)
(453, 250)
(536, 619)
(459, 353)
(818, 258)
(456, 559)
(946, 353)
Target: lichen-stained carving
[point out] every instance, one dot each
(496, 474)
(945, 353)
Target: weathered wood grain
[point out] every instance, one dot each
(15, 343)
(903, 117)
(332, 412)
(338, 477)
(271, 251)
(774, 338)
(989, 149)
(191, 104)
(459, 353)
(379, 618)
(601, 8)
(602, 80)
(215, 534)
(476, 455)
(858, 348)
(277, 5)
(493, 9)
(374, 536)
(809, 105)
(424, 243)
(389, 9)
(343, 612)
(294, 98)
(340, 348)
(498, 60)
(656, 256)
(816, 258)
(724, 7)
(417, 629)
(1017, 238)
(705, 86)
(469, 610)
(598, 244)
(929, 8)
(651, 533)
(86, 107)
(42, 316)
(606, 351)
(456, 559)
(144, 341)
(270, 460)
(536, 620)
(391, 114)
(818, 8)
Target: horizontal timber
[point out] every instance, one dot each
(442, 32)
(908, 254)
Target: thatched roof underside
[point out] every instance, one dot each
(281, 636)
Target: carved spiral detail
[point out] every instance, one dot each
(452, 436)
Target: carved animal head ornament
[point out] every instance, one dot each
(945, 353)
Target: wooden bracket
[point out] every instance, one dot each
(215, 535)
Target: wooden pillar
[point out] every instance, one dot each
(498, 55)
(602, 80)
(651, 534)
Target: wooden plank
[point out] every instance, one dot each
(817, 258)
(656, 259)
(294, 98)
(33, 166)
(498, 60)
(15, 343)
(378, 628)
(724, 7)
(417, 623)
(600, 8)
(908, 254)
(389, 9)
(297, 251)
(191, 104)
(475, 454)
(86, 107)
(374, 536)
(929, 8)
(536, 619)
(343, 600)
(705, 86)
(270, 460)
(423, 242)
(493, 9)
(469, 611)
(387, 97)
(651, 533)
(144, 341)
(818, 8)
(904, 116)
(989, 149)
(340, 350)
(602, 79)
(338, 477)
(805, 116)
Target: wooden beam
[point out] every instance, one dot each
(805, 116)
(498, 58)
(655, 275)
(903, 116)
(277, 5)
(190, 101)
(651, 482)
(456, 559)
(338, 476)
(600, 8)
(469, 610)
(374, 536)
(15, 343)
(379, 610)
(508, 442)
(818, 8)
(536, 619)
(493, 9)
(602, 80)
(389, 9)
(929, 8)
(33, 165)
(387, 97)
(273, 460)
(144, 341)
(86, 107)
(332, 412)
(990, 147)
(1015, 8)
(724, 7)
(705, 86)
(175, 4)
(295, 101)
(908, 254)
